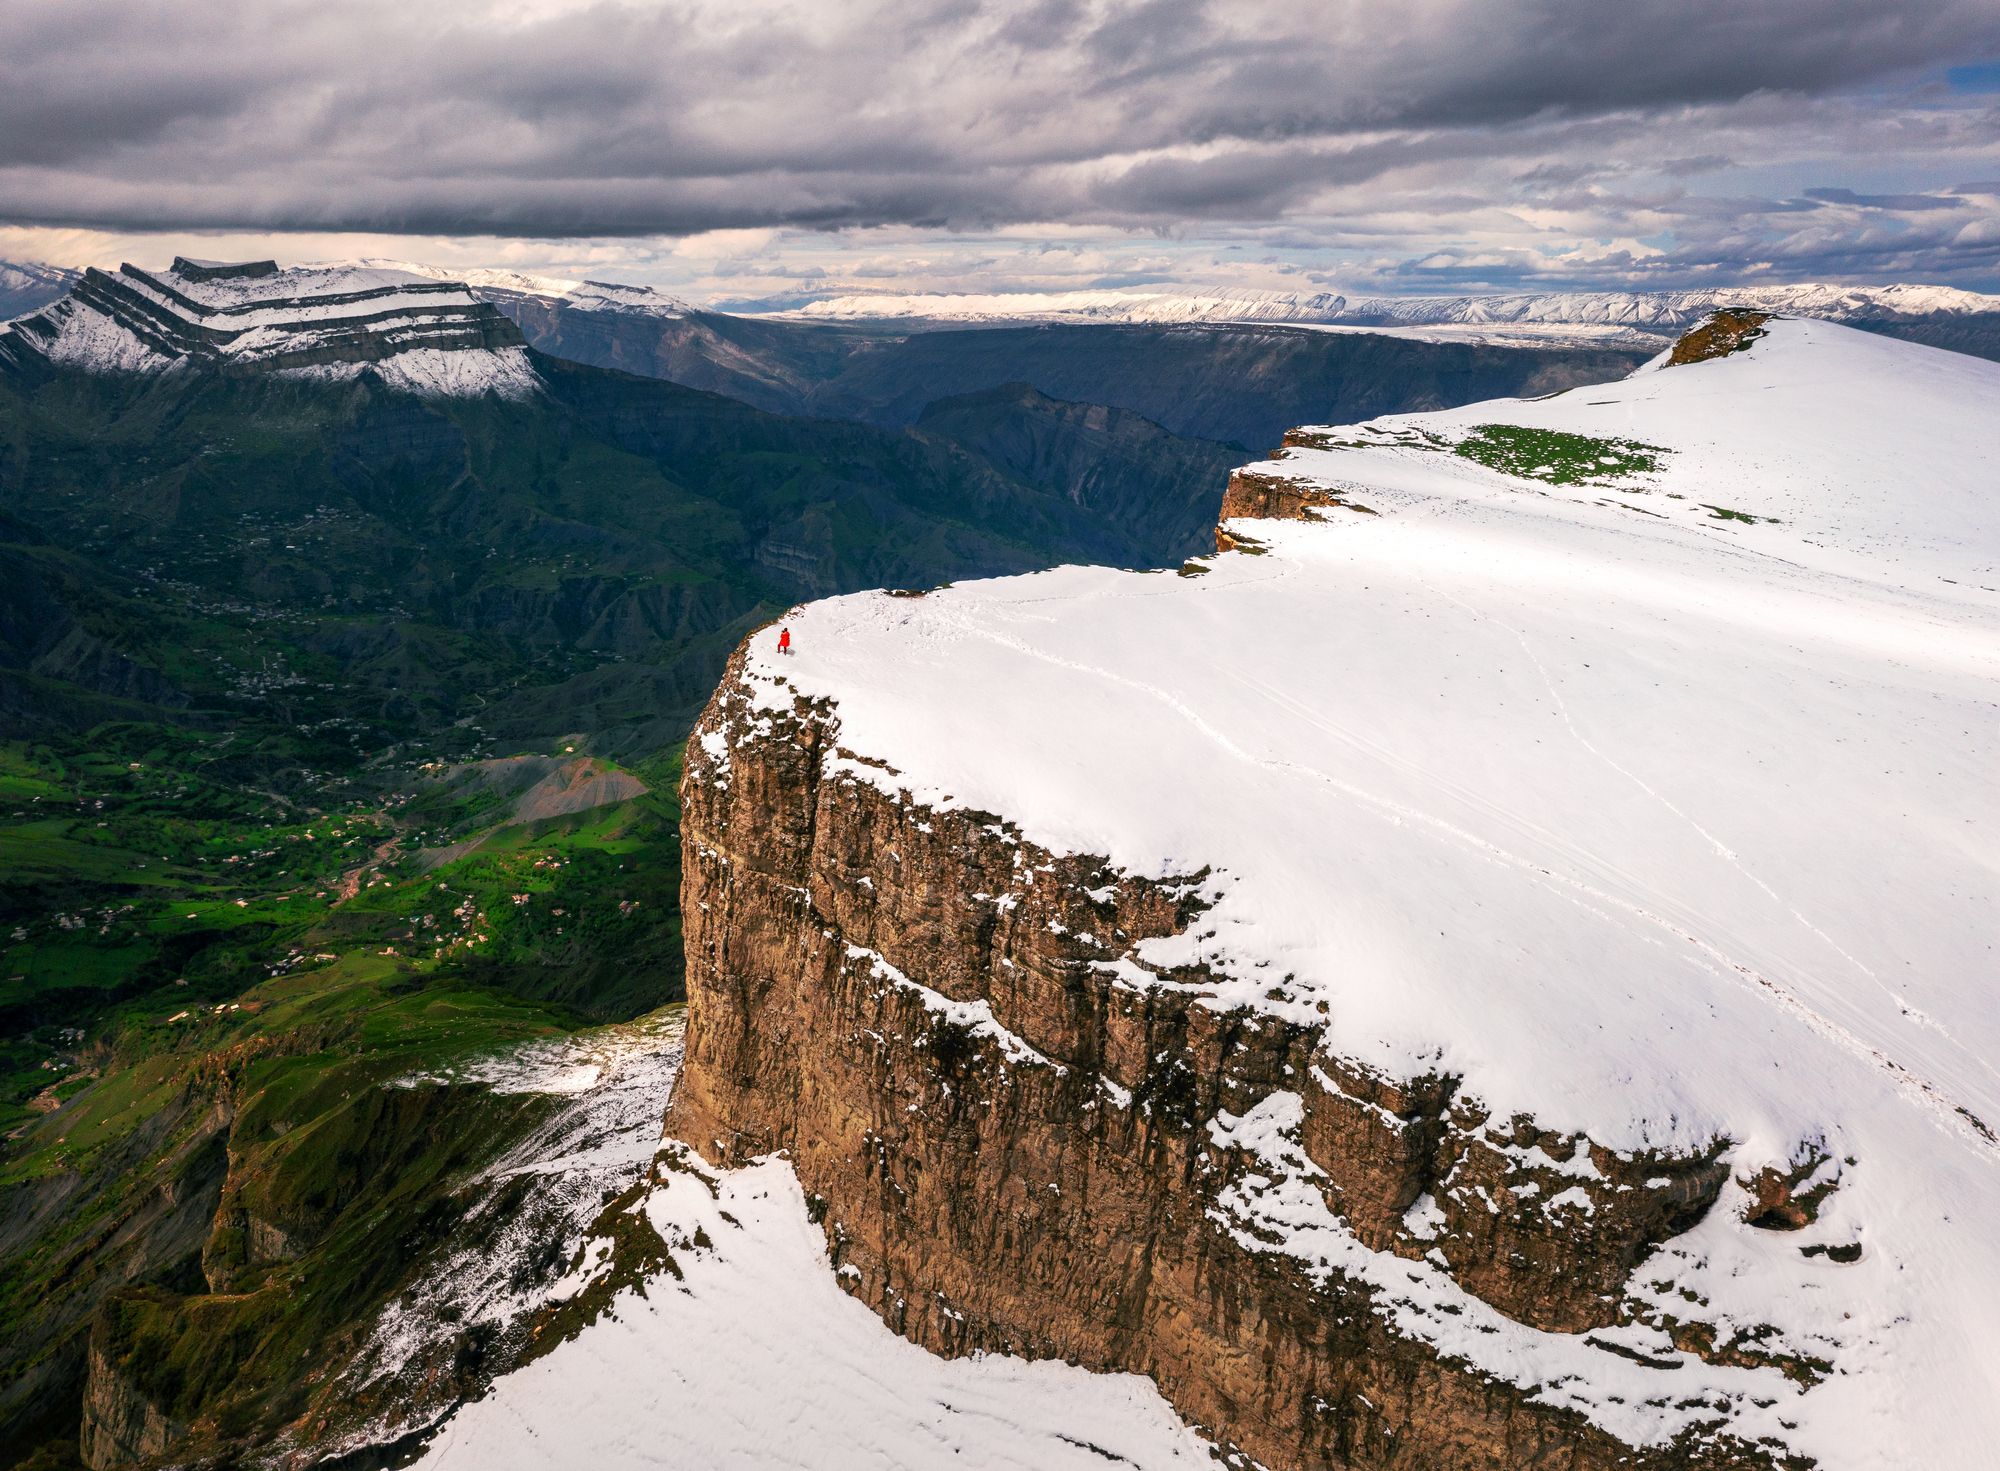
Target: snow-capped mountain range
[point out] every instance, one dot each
(324, 323)
(1598, 316)
(1600, 319)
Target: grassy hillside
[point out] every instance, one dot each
(208, 989)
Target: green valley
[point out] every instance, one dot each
(339, 742)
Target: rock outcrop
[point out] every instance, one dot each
(1252, 496)
(140, 1212)
(1720, 335)
(1023, 1140)
(121, 1426)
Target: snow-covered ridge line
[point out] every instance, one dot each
(585, 296)
(329, 323)
(750, 1301)
(751, 1357)
(1651, 315)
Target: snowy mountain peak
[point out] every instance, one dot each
(320, 322)
(610, 296)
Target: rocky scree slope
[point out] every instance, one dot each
(1491, 972)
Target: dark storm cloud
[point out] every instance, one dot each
(677, 117)
(1451, 141)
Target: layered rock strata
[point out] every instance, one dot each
(1021, 1139)
(253, 317)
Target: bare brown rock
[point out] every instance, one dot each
(1016, 1136)
(1548, 1227)
(1787, 1197)
(121, 1427)
(1721, 334)
(1252, 496)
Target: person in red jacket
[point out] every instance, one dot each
(784, 641)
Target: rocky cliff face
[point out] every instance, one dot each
(1024, 1140)
(138, 1214)
(121, 1426)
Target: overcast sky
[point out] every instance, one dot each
(777, 150)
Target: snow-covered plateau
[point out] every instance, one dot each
(320, 323)
(1631, 756)
(1591, 318)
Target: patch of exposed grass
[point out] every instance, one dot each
(1555, 457)
(1723, 513)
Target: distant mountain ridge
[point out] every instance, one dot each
(26, 286)
(329, 323)
(1650, 314)
(828, 356)
(1225, 381)
(881, 358)
(602, 296)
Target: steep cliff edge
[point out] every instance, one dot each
(1455, 989)
(1027, 1152)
